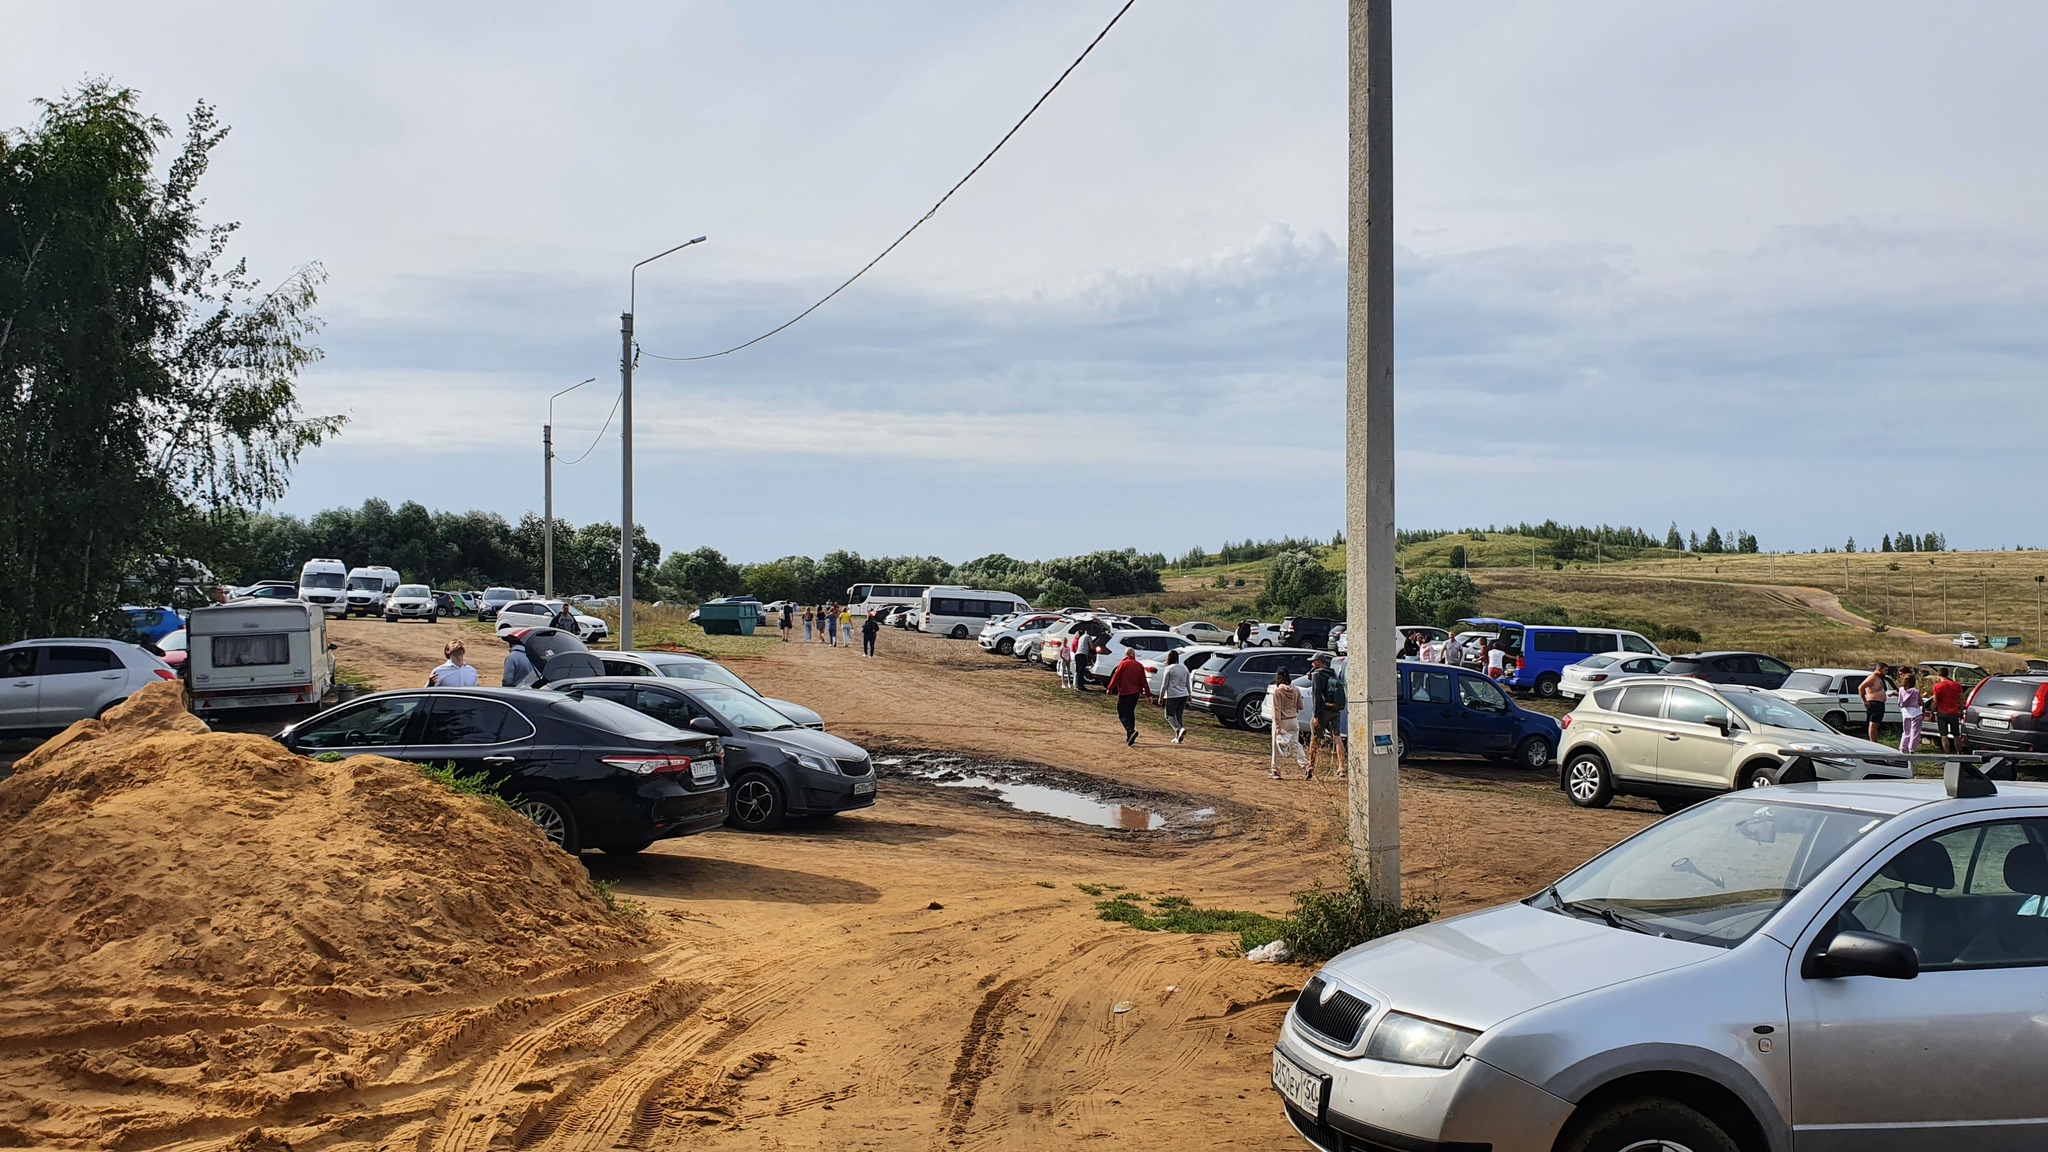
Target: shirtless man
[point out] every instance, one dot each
(1873, 690)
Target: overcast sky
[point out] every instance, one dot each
(1768, 266)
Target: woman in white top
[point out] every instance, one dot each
(453, 672)
(1173, 695)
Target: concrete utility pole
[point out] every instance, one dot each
(1375, 823)
(626, 445)
(547, 531)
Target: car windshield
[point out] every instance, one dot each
(365, 584)
(320, 580)
(175, 642)
(501, 593)
(1776, 713)
(1597, 661)
(740, 709)
(1713, 873)
(1806, 682)
(618, 718)
(412, 590)
(702, 670)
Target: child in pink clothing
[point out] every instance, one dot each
(1910, 712)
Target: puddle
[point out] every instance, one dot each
(1047, 792)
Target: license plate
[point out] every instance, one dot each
(863, 787)
(1994, 722)
(1302, 1088)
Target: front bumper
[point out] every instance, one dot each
(411, 610)
(1374, 1105)
(820, 792)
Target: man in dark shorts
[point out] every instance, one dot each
(1872, 691)
(1328, 688)
(1947, 696)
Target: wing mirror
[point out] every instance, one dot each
(1865, 954)
(704, 724)
(1722, 722)
(333, 647)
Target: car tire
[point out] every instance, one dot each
(1757, 775)
(390, 619)
(1669, 804)
(1546, 686)
(1533, 753)
(959, 632)
(1225, 719)
(627, 849)
(1005, 646)
(551, 813)
(1839, 721)
(435, 619)
(757, 803)
(1587, 782)
(1248, 715)
(1644, 1124)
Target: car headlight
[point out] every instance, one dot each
(1404, 1039)
(1817, 749)
(817, 763)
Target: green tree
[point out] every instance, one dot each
(148, 389)
(1712, 544)
(1457, 556)
(1672, 540)
(700, 575)
(1438, 596)
(1297, 584)
(1059, 594)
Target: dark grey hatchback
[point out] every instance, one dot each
(778, 769)
(590, 773)
(1752, 668)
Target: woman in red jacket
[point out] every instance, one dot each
(1127, 683)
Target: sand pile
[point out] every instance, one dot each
(146, 863)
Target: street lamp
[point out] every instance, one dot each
(626, 445)
(547, 452)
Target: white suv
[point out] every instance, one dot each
(49, 684)
(1678, 740)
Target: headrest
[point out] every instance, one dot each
(2026, 870)
(1924, 865)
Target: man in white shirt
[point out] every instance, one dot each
(454, 672)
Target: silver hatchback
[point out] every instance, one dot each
(1837, 966)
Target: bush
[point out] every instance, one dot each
(1060, 594)
(1296, 582)
(1440, 596)
(1329, 921)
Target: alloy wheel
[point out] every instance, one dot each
(1657, 1146)
(753, 801)
(549, 820)
(1584, 780)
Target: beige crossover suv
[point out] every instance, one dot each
(1678, 740)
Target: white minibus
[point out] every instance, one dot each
(867, 599)
(960, 612)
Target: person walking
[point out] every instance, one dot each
(846, 624)
(1063, 660)
(1128, 683)
(1328, 688)
(1084, 659)
(519, 671)
(783, 625)
(1285, 703)
(810, 620)
(830, 618)
(1173, 695)
(1910, 711)
(1872, 691)
(1948, 712)
(1244, 633)
(453, 671)
(868, 629)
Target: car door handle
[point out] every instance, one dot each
(499, 759)
(1614, 728)
(112, 675)
(24, 683)
(1671, 735)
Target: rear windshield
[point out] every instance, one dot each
(608, 716)
(1807, 682)
(2007, 693)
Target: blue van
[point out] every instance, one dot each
(1449, 709)
(1538, 654)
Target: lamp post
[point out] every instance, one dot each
(626, 445)
(547, 531)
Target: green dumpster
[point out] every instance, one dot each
(729, 619)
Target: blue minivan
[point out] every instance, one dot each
(1444, 708)
(1538, 654)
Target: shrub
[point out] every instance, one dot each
(1440, 596)
(1327, 921)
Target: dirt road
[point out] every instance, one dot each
(926, 973)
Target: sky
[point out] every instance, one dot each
(1751, 265)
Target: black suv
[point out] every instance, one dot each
(1752, 668)
(2009, 714)
(1233, 685)
(591, 773)
(1306, 631)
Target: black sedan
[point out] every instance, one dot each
(1752, 668)
(778, 769)
(590, 773)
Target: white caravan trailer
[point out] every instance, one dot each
(258, 654)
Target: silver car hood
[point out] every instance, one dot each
(1483, 968)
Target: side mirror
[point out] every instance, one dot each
(333, 647)
(1865, 954)
(1720, 722)
(704, 724)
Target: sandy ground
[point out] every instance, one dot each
(925, 973)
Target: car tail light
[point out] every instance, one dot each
(1214, 681)
(2041, 701)
(164, 673)
(650, 765)
(1597, 677)
(1972, 698)
(1565, 721)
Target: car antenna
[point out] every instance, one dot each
(1964, 782)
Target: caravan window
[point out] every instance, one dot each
(252, 651)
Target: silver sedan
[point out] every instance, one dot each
(1590, 673)
(1812, 966)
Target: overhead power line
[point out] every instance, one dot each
(933, 211)
(599, 439)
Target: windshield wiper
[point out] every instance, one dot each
(1611, 918)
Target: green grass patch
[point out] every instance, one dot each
(1047, 884)
(1179, 914)
(464, 783)
(354, 677)
(617, 905)
(1090, 889)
